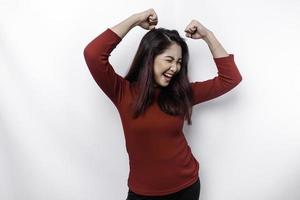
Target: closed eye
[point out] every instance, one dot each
(171, 61)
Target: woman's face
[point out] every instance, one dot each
(167, 64)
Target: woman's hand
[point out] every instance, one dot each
(196, 30)
(147, 19)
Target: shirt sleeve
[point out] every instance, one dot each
(96, 55)
(228, 77)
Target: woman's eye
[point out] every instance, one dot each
(171, 61)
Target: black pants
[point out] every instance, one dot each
(190, 193)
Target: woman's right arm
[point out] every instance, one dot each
(147, 20)
(122, 28)
(97, 53)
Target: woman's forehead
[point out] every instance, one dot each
(172, 53)
(170, 56)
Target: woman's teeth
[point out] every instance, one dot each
(167, 77)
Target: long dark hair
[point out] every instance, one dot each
(174, 99)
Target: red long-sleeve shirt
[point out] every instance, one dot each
(160, 159)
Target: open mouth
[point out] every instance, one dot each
(167, 76)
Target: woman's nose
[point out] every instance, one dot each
(173, 67)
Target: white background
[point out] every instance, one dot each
(61, 137)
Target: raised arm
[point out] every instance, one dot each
(122, 28)
(228, 73)
(96, 55)
(215, 47)
(97, 52)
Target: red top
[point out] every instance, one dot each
(160, 159)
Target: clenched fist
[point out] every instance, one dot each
(147, 19)
(196, 30)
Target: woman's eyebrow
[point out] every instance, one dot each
(172, 57)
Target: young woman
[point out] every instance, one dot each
(154, 99)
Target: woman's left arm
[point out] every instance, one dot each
(214, 45)
(228, 73)
(196, 30)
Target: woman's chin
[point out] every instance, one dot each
(162, 83)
